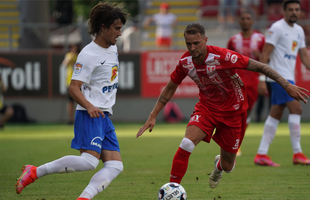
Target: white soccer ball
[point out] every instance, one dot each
(172, 191)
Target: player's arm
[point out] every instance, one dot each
(304, 58)
(264, 58)
(163, 99)
(147, 21)
(76, 94)
(294, 91)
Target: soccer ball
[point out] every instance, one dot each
(172, 191)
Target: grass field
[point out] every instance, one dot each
(147, 161)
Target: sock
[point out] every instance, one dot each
(102, 178)
(69, 164)
(179, 165)
(218, 165)
(270, 129)
(294, 126)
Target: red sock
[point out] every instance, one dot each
(179, 165)
(218, 165)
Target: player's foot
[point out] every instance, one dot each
(239, 152)
(216, 175)
(264, 160)
(28, 176)
(301, 159)
(81, 198)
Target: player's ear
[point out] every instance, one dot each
(206, 39)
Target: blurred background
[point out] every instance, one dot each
(35, 36)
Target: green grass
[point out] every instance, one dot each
(147, 162)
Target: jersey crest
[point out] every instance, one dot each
(78, 68)
(114, 72)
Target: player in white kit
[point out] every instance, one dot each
(93, 86)
(284, 41)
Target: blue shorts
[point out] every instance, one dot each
(278, 94)
(94, 133)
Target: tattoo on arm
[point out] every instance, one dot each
(256, 66)
(163, 100)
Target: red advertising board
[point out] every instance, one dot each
(302, 74)
(156, 68)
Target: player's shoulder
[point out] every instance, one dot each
(278, 25)
(298, 27)
(185, 58)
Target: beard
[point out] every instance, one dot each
(292, 20)
(197, 55)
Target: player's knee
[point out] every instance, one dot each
(91, 160)
(115, 164)
(187, 145)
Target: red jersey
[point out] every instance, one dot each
(245, 46)
(221, 90)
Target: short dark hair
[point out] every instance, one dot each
(105, 14)
(285, 2)
(194, 28)
(247, 11)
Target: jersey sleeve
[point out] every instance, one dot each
(233, 60)
(273, 35)
(83, 69)
(230, 45)
(302, 40)
(262, 44)
(178, 74)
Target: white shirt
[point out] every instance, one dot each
(164, 24)
(287, 41)
(97, 67)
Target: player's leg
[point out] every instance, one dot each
(88, 160)
(270, 128)
(294, 127)
(229, 135)
(193, 136)
(278, 99)
(111, 158)
(113, 166)
(8, 112)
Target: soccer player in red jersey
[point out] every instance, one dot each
(248, 43)
(222, 101)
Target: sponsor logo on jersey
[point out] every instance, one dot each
(96, 141)
(227, 57)
(114, 72)
(77, 68)
(290, 56)
(110, 88)
(294, 45)
(234, 58)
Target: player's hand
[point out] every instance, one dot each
(95, 112)
(149, 124)
(262, 88)
(297, 93)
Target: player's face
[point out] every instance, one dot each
(246, 21)
(111, 34)
(196, 44)
(292, 12)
